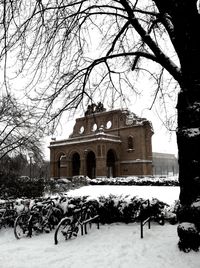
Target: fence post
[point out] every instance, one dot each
(141, 229)
(143, 222)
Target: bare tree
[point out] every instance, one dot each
(20, 129)
(54, 41)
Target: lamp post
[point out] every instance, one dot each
(30, 156)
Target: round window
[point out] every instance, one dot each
(94, 127)
(108, 124)
(81, 130)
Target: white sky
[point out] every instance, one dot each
(162, 140)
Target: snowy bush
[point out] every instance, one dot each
(18, 187)
(110, 209)
(171, 212)
(60, 185)
(125, 209)
(189, 232)
(189, 237)
(118, 209)
(133, 180)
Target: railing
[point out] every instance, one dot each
(147, 218)
(84, 224)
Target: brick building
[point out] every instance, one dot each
(165, 164)
(104, 143)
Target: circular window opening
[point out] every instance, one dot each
(94, 127)
(81, 130)
(108, 124)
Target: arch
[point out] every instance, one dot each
(111, 163)
(91, 165)
(60, 163)
(76, 163)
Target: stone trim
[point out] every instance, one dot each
(135, 161)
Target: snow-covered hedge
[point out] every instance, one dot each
(133, 180)
(125, 209)
(112, 208)
(116, 208)
(59, 185)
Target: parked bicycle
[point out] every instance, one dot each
(8, 213)
(69, 226)
(43, 216)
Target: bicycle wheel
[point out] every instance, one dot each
(63, 230)
(11, 216)
(35, 225)
(21, 226)
(1, 220)
(55, 217)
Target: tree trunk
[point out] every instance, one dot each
(186, 21)
(188, 139)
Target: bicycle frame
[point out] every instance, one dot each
(69, 226)
(7, 213)
(78, 219)
(41, 217)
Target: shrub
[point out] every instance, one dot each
(189, 237)
(18, 187)
(60, 185)
(114, 208)
(149, 180)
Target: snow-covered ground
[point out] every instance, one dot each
(112, 246)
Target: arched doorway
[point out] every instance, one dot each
(75, 164)
(110, 162)
(91, 165)
(61, 165)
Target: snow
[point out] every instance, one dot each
(112, 246)
(165, 194)
(188, 226)
(115, 245)
(192, 132)
(196, 204)
(135, 180)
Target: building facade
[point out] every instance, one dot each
(104, 143)
(165, 164)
